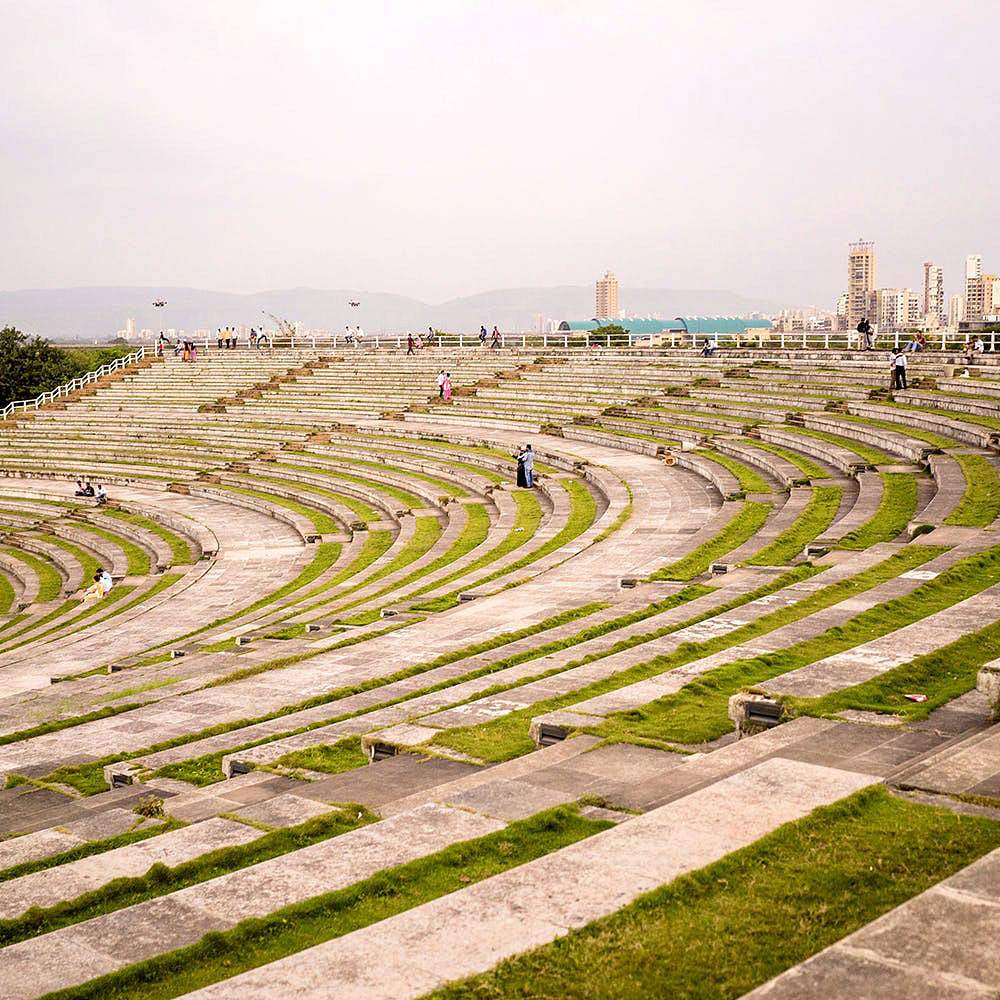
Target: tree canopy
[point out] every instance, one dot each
(31, 365)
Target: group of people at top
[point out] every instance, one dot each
(85, 489)
(494, 337)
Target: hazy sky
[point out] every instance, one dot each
(438, 149)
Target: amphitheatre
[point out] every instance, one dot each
(710, 711)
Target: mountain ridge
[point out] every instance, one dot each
(98, 311)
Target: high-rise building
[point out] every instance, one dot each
(860, 281)
(607, 297)
(973, 269)
(956, 311)
(896, 309)
(982, 297)
(130, 329)
(933, 293)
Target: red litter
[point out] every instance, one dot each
(915, 697)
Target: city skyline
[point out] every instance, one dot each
(441, 151)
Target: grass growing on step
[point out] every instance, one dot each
(697, 712)
(718, 932)
(161, 879)
(980, 504)
(288, 632)
(49, 580)
(89, 849)
(6, 594)
(55, 725)
(895, 510)
(322, 523)
(526, 521)
(942, 675)
(873, 456)
(332, 758)
(179, 549)
(507, 737)
(425, 534)
(253, 943)
(812, 521)
(87, 562)
(138, 559)
(934, 440)
(805, 465)
(750, 481)
(743, 526)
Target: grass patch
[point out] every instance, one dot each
(743, 526)
(803, 464)
(87, 562)
(873, 456)
(750, 481)
(332, 758)
(49, 580)
(813, 520)
(161, 879)
(179, 549)
(57, 724)
(6, 594)
(719, 932)
(253, 943)
(895, 511)
(138, 559)
(980, 504)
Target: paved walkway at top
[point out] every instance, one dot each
(469, 931)
(940, 945)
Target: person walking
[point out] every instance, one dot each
(218, 337)
(496, 338)
(482, 335)
(409, 344)
(446, 387)
(899, 370)
(440, 381)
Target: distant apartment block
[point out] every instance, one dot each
(896, 308)
(860, 281)
(934, 309)
(982, 297)
(607, 297)
(956, 311)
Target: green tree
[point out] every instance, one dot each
(30, 365)
(618, 335)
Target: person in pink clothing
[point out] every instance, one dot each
(446, 387)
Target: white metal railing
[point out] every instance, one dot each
(78, 383)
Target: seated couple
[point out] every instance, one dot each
(102, 585)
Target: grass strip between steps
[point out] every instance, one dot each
(88, 849)
(582, 511)
(6, 594)
(895, 510)
(49, 580)
(137, 558)
(507, 737)
(161, 879)
(813, 520)
(179, 549)
(750, 481)
(743, 526)
(810, 469)
(697, 712)
(980, 504)
(255, 942)
(718, 932)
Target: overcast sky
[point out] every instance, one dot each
(438, 149)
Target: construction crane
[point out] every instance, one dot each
(284, 327)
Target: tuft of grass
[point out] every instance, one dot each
(335, 758)
(719, 932)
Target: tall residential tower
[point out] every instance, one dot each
(934, 308)
(607, 297)
(860, 281)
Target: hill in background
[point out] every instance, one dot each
(98, 312)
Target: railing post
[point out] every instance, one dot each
(545, 340)
(524, 340)
(608, 338)
(314, 341)
(376, 341)
(895, 339)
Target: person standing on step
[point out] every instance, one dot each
(529, 466)
(218, 337)
(446, 387)
(865, 340)
(899, 370)
(409, 344)
(520, 479)
(440, 381)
